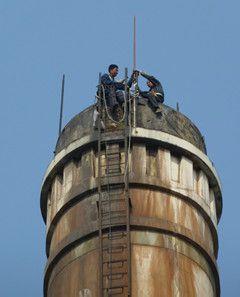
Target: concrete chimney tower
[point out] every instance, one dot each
(133, 214)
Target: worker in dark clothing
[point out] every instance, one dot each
(155, 94)
(114, 90)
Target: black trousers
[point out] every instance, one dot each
(153, 100)
(115, 98)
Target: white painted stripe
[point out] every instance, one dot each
(141, 133)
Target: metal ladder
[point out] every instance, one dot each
(114, 210)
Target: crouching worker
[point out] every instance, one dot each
(114, 90)
(155, 94)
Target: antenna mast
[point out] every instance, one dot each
(134, 68)
(61, 107)
(134, 43)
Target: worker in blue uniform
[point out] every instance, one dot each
(114, 90)
(155, 94)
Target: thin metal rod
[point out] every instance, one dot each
(177, 106)
(61, 106)
(134, 68)
(126, 101)
(99, 105)
(134, 43)
(126, 186)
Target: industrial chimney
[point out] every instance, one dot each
(131, 210)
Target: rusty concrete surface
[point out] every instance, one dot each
(174, 215)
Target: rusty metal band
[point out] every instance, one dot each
(78, 194)
(150, 225)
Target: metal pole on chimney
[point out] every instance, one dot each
(61, 105)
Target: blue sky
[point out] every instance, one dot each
(192, 46)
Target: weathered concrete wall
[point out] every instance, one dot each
(176, 204)
(171, 122)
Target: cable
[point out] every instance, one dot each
(129, 138)
(106, 107)
(121, 120)
(135, 95)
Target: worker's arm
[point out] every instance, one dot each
(119, 85)
(159, 92)
(151, 78)
(106, 80)
(133, 78)
(130, 81)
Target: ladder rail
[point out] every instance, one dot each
(109, 206)
(126, 182)
(99, 103)
(114, 248)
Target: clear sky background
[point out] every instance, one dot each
(192, 46)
